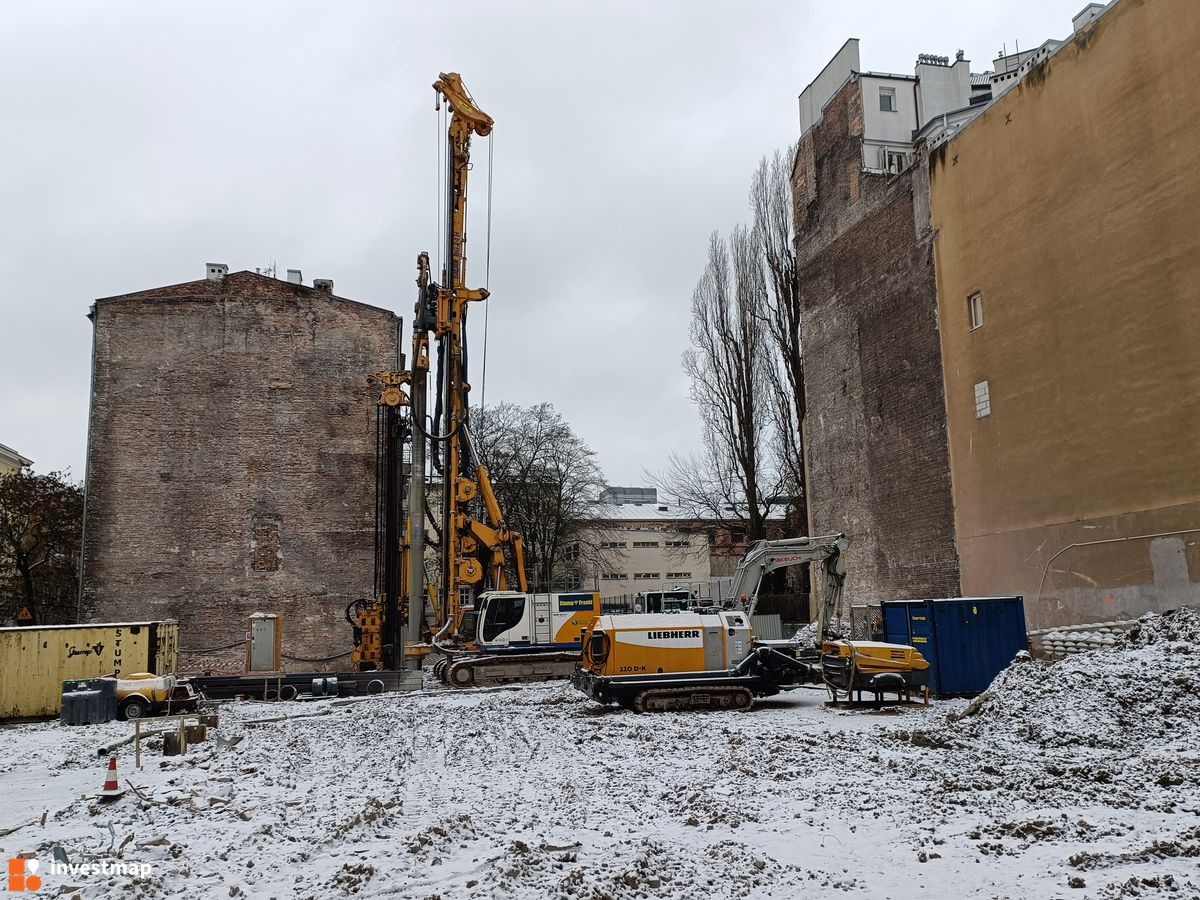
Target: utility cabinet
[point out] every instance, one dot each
(968, 641)
(264, 650)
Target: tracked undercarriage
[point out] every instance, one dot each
(485, 670)
(706, 697)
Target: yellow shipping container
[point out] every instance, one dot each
(34, 662)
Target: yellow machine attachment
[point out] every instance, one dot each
(852, 667)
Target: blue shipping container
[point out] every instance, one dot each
(967, 640)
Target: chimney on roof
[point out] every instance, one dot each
(1086, 16)
(294, 277)
(323, 284)
(215, 271)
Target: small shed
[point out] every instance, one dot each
(968, 641)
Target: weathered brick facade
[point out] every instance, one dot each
(875, 430)
(231, 460)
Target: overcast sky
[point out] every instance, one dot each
(144, 139)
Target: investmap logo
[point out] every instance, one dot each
(22, 875)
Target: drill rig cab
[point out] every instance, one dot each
(514, 636)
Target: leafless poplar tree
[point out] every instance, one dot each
(774, 233)
(734, 477)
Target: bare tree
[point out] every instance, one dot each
(41, 521)
(734, 478)
(546, 481)
(774, 232)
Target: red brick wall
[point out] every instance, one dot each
(231, 461)
(876, 444)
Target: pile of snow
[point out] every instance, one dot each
(1137, 688)
(1119, 719)
(1179, 627)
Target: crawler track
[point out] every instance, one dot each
(483, 671)
(703, 697)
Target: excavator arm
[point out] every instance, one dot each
(767, 556)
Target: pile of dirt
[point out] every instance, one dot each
(1136, 696)
(1179, 627)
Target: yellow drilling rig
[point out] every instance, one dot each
(481, 630)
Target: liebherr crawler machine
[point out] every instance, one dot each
(709, 660)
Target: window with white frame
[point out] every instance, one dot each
(887, 99)
(679, 574)
(613, 576)
(608, 545)
(975, 310)
(983, 400)
(645, 574)
(675, 544)
(645, 543)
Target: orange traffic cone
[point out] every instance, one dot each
(111, 789)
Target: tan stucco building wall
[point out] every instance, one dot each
(11, 461)
(1072, 207)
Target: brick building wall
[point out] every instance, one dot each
(876, 452)
(231, 461)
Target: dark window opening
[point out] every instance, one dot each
(598, 648)
(501, 614)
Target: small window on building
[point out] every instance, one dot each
(679, 574)
(887, 99)
(676, 544)
(975, 308)
(609, 545)
(983, 400)
(895, 161)
(737, 535)
(645, 575)
(645, 543)
(613, 576)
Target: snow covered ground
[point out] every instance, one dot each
(1074, 779)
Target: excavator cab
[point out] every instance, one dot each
(673, 600)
